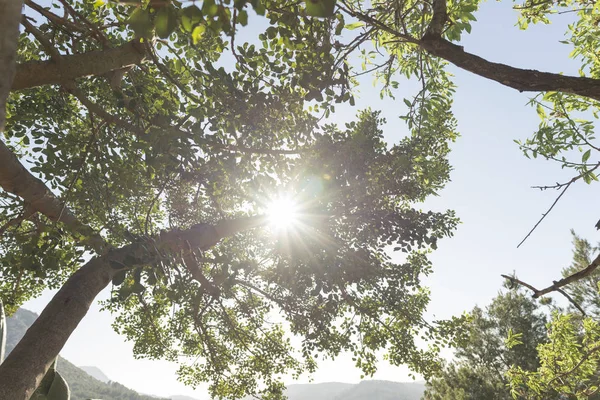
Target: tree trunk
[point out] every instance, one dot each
(23, 370)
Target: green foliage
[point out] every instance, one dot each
(568, 362)
(505, 334)
(189, 138)
(567, 121)
(569, 357)
(320, 8)
(584, 291)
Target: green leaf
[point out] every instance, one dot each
(166, 21)
(198, 32)
(258, 6)
(209, 8)
(586, 156)
(242, 18)
(141, 23)
(540, 111)
(355, 25)
(190, 17)
(320, 8)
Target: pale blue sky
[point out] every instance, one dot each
(490, 191)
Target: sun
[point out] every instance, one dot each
(283, 213)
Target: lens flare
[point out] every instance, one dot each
(283, 213)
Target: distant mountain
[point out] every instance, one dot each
(383, 390)
(182, 398)
(365, 390)
(317, 391)
(95, 372)
(83, 386)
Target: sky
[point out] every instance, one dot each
(490, 190)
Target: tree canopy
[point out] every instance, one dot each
(483, 359)
(522, 348)
(145, 142)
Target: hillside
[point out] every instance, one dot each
(83, 386)
(96, 373)
(365, 390)
(317, 391)
(383, 390)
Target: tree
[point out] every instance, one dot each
(129, 140)
(569, 358)
(584, 292)
(483, 358)
(149, 163)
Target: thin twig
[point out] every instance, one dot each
(544, 215)
(565, 186)
(575, 304)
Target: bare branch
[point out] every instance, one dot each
(536, 292)
(520, 282)
(565, 186)
(544, 215)
(571, 278)
(560, 283)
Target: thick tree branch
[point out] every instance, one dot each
(23, 370)
(438, 20)
(571, 278)
(524, 80)
(16, 179)
(32, 74)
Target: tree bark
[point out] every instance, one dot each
(10, 15)
(524, 80)
(23, 370)
(32, 74)
(16, 179)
